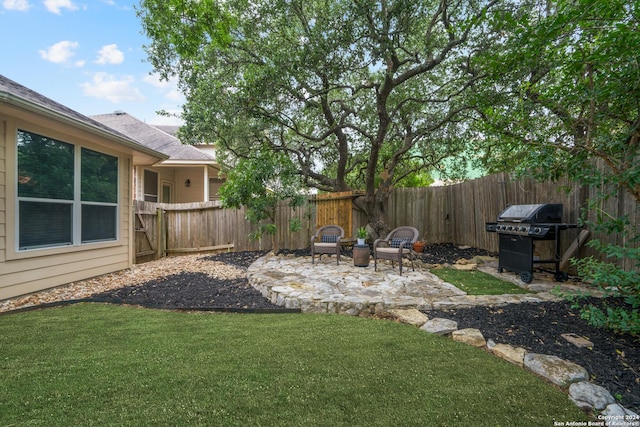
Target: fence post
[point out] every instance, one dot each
(159, 234)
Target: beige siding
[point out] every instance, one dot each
(23, 272)
(196, 192)
(3, 192)
(33, 275)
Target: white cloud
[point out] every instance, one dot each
(110, 54)
(174, 95)
(155, 81)
(19, 5)
(60, 52)
(106, 86)
(56, 6)
(169, 87)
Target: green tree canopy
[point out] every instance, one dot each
(259, 184)
(563, 93)
(357, 93)
(562, 97)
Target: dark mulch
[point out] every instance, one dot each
(447, 253)
(613, 361)
(197, 291)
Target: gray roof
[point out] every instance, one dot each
(153, 137)
(171, 130)
(16, 94)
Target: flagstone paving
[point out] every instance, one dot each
(324, 287)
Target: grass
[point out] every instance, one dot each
(92, 364)
(477, 282)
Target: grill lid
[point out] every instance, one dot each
(533, 213)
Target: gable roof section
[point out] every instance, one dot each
(155, 138)
(15, 94)
(171, 130)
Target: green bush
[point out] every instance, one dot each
(620, 312)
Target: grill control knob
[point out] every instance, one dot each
(537, 230)
(523, 228)
(510, 228)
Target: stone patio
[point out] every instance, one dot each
(324, 287)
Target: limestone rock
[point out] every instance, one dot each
(616, 415)
(577, 340)
(469, 336)
(588, 395)
(558, 371)
(510, 353)
(411, 316)
(465, 267)
(440, 326)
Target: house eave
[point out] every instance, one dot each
(170, 162)
(150, 156)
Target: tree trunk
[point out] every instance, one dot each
(375, 209)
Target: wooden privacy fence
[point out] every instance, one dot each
(450, 214)
(148, 227)
(336, 209)
(458, 213)
(173, 229)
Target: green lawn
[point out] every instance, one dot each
(477, 282)
(92, 364)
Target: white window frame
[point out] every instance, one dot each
(77, 202)
(146, 195)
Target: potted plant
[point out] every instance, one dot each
(419, 245)
(361, 235)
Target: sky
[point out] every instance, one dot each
(85, 54)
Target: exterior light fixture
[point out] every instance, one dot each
(187, 183)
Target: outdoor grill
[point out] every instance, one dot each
(518, 226)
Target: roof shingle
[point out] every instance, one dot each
(152, 137)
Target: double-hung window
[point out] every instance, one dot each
(67, 194)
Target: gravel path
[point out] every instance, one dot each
(219, 282)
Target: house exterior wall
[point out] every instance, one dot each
(165, 175)
(27, 271)
(3, 192)
(198, 190)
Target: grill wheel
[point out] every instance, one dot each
(526, 277)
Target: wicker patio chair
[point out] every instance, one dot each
(398, 244)
(327, 241)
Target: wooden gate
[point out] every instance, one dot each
(150, 239)
(336, 209)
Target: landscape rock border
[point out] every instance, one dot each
(569, 376)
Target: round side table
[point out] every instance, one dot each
(361, 255)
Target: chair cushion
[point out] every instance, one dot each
(392, 250)
(329, 238)
(325, 245)
(396, 242)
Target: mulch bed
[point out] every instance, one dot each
(197, 291)
(613, 362)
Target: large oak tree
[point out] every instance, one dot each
(358, 93)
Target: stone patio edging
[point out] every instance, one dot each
(295, 283)
(569, 376)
